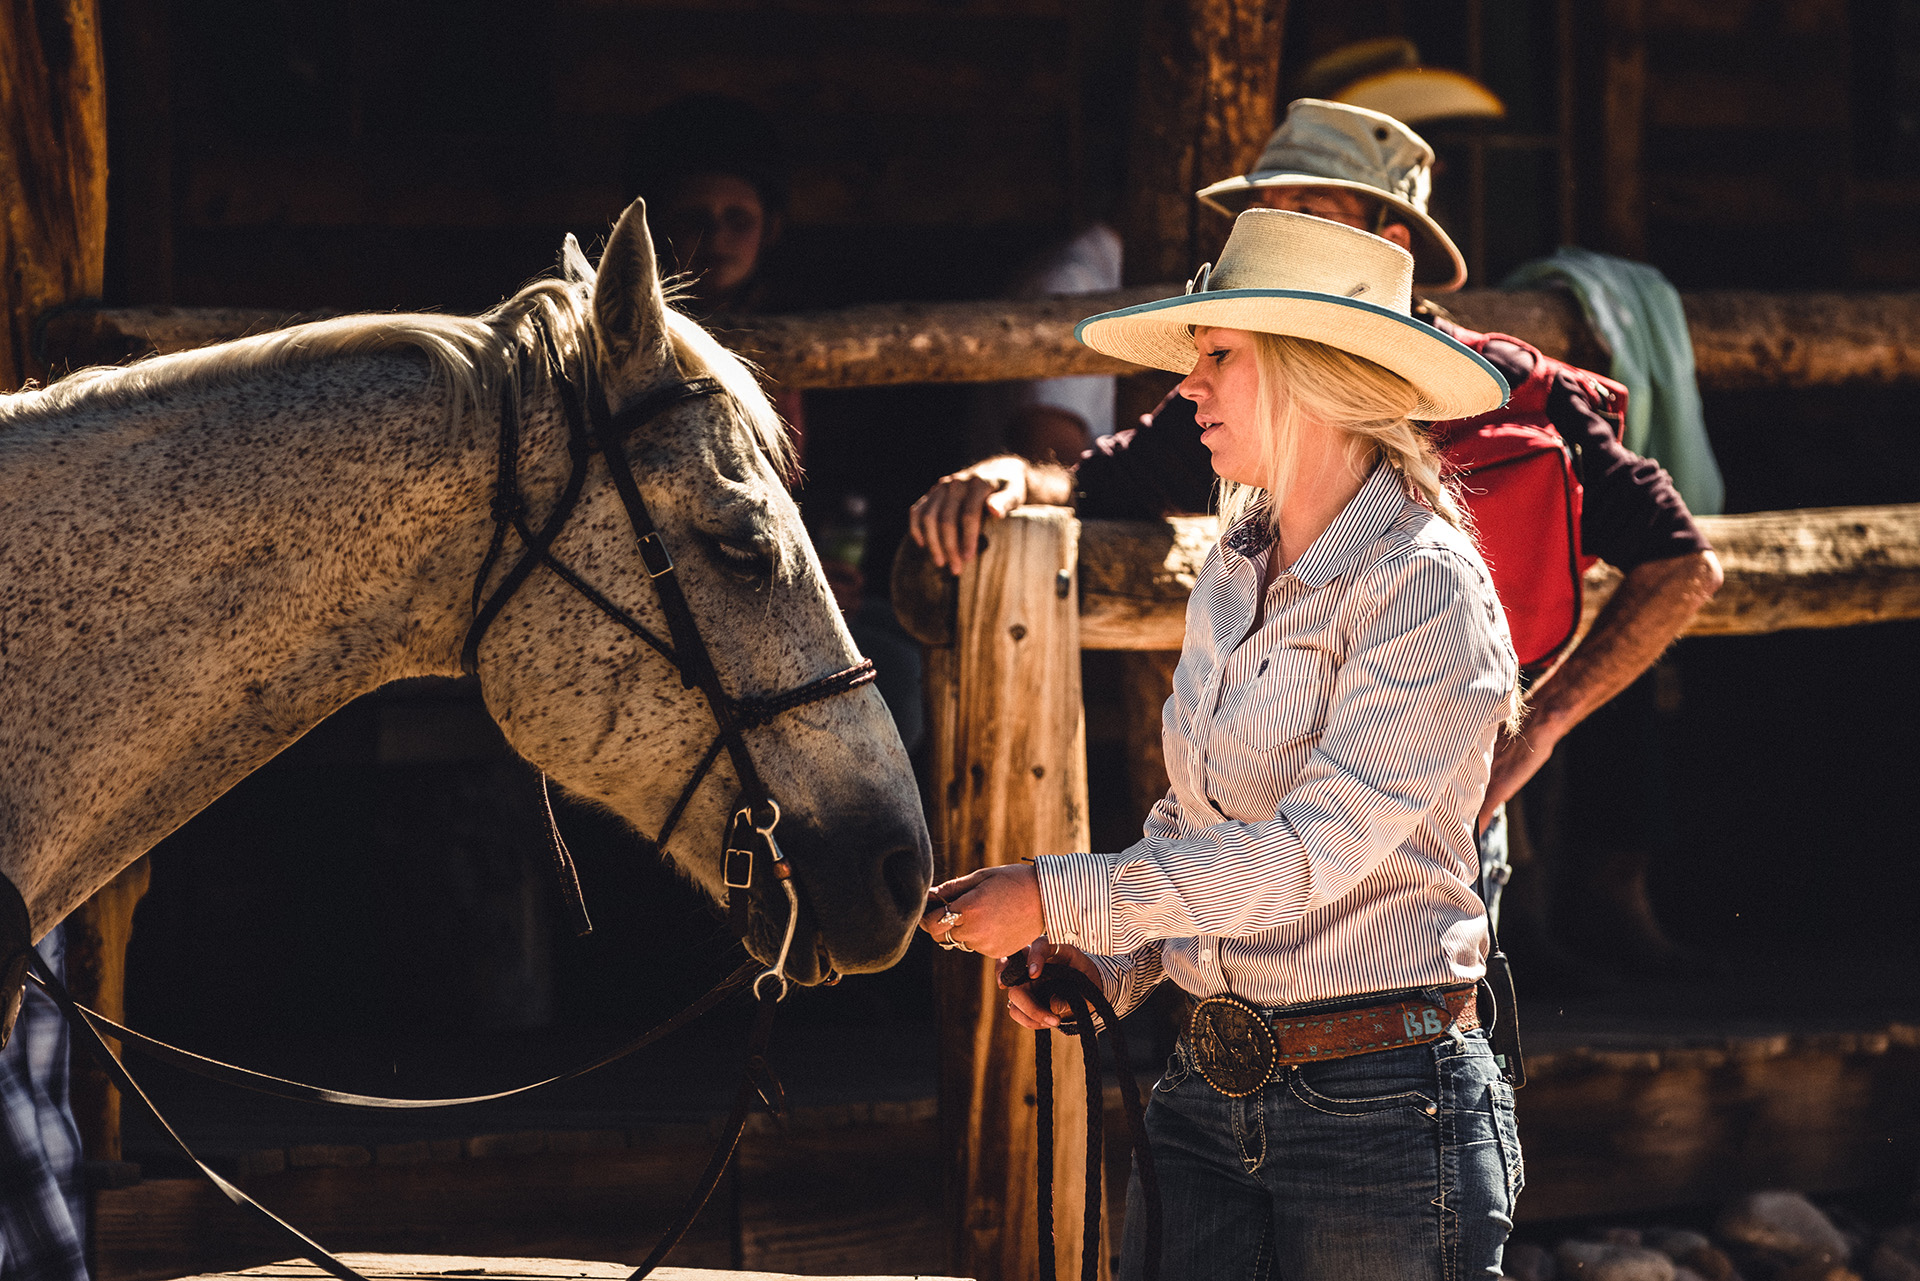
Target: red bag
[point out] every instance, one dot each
(1516, 475)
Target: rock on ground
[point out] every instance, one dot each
(1896, 1256)
(1783, 1228)
(1600, 1261)
(1525, 1261)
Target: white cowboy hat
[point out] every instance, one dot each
(1302, 276)
(1331, 144)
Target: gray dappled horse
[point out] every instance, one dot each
(203, 555)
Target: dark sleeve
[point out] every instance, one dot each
(1146, 472)
(1632, 514)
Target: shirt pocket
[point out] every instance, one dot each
(1285, 702)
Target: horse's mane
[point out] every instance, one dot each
(473, 356)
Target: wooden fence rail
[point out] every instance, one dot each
(1740, 338)
(1813, 568)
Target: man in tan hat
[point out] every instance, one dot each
(1367, 170)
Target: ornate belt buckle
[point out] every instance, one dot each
(1233, 1048)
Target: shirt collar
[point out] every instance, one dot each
(1365, 517)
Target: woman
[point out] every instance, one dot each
(1332, 1109)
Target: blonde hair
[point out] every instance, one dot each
(1369, 404)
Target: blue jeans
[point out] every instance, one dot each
(1396, 1166)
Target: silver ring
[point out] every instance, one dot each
(949, 942)
(951, 919)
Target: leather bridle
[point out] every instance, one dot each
(594, 430)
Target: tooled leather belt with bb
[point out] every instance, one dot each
(1237, 1049)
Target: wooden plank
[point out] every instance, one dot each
(828, 1201)
(1626, 1132)
(1203, 108)
(98, 932)
(1814, 568)
(53, 169)
(1741, 338)
(431, 1267)
(1009, 761)
(610, 1203)
(1147, 682)
(837, 8)
(1623, 208)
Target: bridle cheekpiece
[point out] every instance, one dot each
(593, 429)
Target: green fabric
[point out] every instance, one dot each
(1637, 314)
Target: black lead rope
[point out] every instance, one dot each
(757, 1084)
(299, 1092)
(1086, 1001)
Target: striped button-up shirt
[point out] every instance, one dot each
(1328, 755)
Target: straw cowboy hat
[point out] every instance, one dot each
(1385, 75)
(1330, 144)
(1305, 277)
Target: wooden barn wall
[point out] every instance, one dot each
(432, 152)
(1782, 147)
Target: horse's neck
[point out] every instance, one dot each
(195, 580)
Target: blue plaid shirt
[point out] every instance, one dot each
(41, 1214)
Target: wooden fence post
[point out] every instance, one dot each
(53, 168)
(97, 935)
(1009, 780)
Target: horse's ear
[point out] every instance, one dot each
(628, 308)
(574, 267)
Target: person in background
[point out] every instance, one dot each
(714, 177)
(1388, 76)
(1371, 172)
(42, 1212)
(1054, 420)
(715, 180)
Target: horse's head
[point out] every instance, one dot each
(610, 719)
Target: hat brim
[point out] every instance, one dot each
(1415, 95)
(1452, 380)
(1437, 261)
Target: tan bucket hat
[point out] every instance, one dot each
(1331, 144)
(1386, 75)
(1305, 277)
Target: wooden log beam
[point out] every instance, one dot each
(1814, 568)
(98, 932)
(53, 168)
(1008, 777)
(1741, 338)
(1203, 106)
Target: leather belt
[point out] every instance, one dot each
(1237, 1049)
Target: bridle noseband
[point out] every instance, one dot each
(594, 430)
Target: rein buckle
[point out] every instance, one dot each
(653, 555)
(738, 871)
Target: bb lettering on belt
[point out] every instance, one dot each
(1423, 1022)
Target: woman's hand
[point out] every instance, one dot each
(1020, 1003)
(998, 909)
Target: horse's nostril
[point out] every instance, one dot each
(906, 874)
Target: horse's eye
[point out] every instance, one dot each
(744, 557)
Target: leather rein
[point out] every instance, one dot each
(751, 851)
